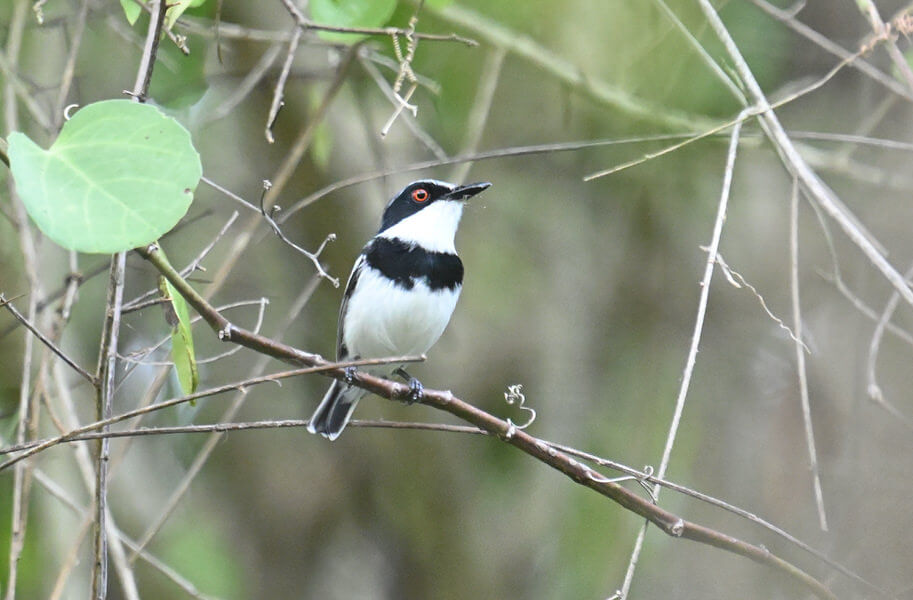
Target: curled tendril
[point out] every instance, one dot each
(514, 396)
(68, 110)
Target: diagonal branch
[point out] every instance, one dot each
(444, 400)
(812, 184)
(8, 304)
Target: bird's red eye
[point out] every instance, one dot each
(420, 195)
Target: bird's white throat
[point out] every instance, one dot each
(433, 228)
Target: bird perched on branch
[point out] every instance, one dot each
(401, 293)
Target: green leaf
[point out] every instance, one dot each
(119, 176)
(179, 80)
(132, 10)
(350, 13)
(182, 354)
(176, 9)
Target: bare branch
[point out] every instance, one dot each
(712, 252)
(45, 340)
(668, 522)
(814, 187)
(70, 68)
(800, 355)
(874, 391)
(884, 33)
(28, 449)
(789, 19)
(314, 256)
(411, 123)
(27, 419)
(280, 85)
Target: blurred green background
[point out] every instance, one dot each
(585, 293)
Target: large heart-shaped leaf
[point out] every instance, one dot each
(119, 175)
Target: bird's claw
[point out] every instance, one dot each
(416, 391)
(350, 375)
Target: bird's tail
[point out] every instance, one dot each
(335, 410)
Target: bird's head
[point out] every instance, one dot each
(427, 212)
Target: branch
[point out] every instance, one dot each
(691, 359)
(446, 401)
(8, 304)
(800, 355)
(813, 185)
(306, 23)
(789, 19)
(107, 355)
(314, 256)
(31, 448)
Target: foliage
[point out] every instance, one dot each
(119, 175)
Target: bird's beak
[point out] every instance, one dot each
(465, 192)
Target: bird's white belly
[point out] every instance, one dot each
(383, 319)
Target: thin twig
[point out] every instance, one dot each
(510, 152)
(410, 121)
(302, 143)
(247, 85)
(405, 71)
(481, 106)
(84, 463)
(107, 364)
(874, 390)
(229, 193)
(713, 250)
(812, 184)
(26, 423)
(192, 266)
(760, 108)
(884, 33)
(70, 67)
(45, 340)
(705, 56)
(16, 88)
(279, 90)
(738, 281)
(800, 355)
(179, 41)
(28, 449)
(107, 355)
(314, 256)
(137, 356)
(823, 42)
(371, 54)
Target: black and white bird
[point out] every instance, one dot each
(401, 293)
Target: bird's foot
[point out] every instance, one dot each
(350, 375)
(416, 389)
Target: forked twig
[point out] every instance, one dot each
(314, 257)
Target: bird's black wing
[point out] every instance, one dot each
(341, 351)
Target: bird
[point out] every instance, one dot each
(401, 293)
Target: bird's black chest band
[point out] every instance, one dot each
(404, 264)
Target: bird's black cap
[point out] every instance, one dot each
(419, 194)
